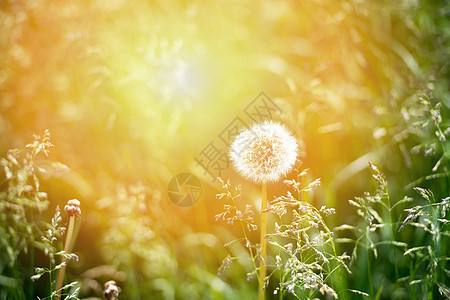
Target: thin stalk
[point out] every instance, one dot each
(392, 235)
(282, 288)
(429, 287)
(369, 271)
(262, 269)
(60, 281)
(333, 246)
(436, 241)
(280, 297)
(302, 195)
(412, 288)
(50, 277)
(246, 239)
(19, 291)
(31, 291)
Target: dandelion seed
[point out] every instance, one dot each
(265, 152)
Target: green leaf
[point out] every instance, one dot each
(8, 282)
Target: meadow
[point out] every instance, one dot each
(216, 149)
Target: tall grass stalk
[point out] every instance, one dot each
(369, 268)
(231, 214)
(253, 256)
(392, 232)
(263, 243)
(431, 218)
(384, 193)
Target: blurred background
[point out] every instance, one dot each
(134, 92)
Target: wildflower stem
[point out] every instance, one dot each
(436, 241)
(64, 259)
(281, 275)
(50, 276)
(391, 225)
(31, 295)
(333, 246)
(262, 268)
(303, 195)
(246, 238)
(369, 271)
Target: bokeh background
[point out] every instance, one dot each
(133, 91)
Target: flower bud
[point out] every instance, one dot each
(72, 207)
(111, 290)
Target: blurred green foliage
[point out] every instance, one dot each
(132, 90)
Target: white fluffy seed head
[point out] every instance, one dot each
(265, 152)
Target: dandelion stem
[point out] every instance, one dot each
(64, 259)
(262, 269)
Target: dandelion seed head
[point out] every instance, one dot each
(265, 152)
